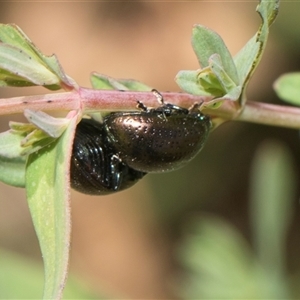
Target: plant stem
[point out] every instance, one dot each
(120, 100)
(90, 100)
(270, 114)
(59, 101)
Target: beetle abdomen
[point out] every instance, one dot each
(95, 168)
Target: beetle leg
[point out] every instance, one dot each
(116, 172)
(195, 107)
(158, 96)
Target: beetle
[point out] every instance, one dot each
(113, 155)
(95, 167)
(159, 139)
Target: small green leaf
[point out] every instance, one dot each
(206, 42)
(23, 64)
(9, 79)
(247, 59)
(101, 82)
(134, 85)
(188, 81)
(227, 88)
(210, 83)
(42, 130)
(11, 34)
(12, 171)
(30, 138)
(15, 145)
(249, 56)
(35, 141)
(10, 144)
(54, 127)
(12, 164)
(21, 128)
(216, 65)
(268, 10)
(287, 87)
(48, 192)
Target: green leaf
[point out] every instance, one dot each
(11, 34)
(23, 64)
(188, 81)
(10, 144)
(48, 189)
(24, 139)
(218, 77)
(134, 85)
(9, 79)
(273, 190)
(54, 127)
(206, 42)
(35, 141)
(246, 60)
(41, 131)
(225, 81)
(210, 81)
(268, 10)
(12, 171)
(12, 165)
(101, 82)
(287, 87)
(249, 56)
(222, 76)
(28, 139)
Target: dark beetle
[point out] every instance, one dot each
(96, 169)
(113, 155)
(157, 140)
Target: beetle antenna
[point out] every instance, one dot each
(141, 106)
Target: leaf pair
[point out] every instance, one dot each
(221, 75)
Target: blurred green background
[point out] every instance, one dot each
(226, 225)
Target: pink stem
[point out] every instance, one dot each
(90, 100)
(270, 114)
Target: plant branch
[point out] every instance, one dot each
(90, 100)
(49, 102)
(270, 114)
(127, 100)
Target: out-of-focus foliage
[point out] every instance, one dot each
(220, 262)
(21, 278)
(287, 87)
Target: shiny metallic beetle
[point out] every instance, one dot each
(113, 155)
(95, 167)
(157, 140)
